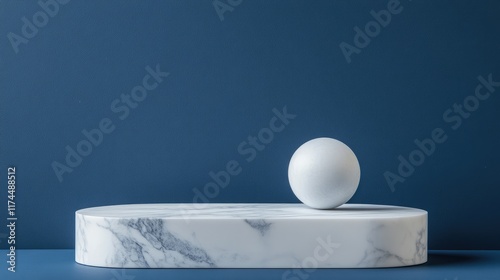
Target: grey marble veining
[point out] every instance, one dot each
(250, 235)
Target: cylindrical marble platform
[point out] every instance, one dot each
(250, 236)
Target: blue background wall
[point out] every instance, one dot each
(226, 76)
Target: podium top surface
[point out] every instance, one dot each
(248, 211)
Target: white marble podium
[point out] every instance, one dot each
(250, 236)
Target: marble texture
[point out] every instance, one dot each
(250, 236)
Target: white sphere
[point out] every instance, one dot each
(324, 173)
